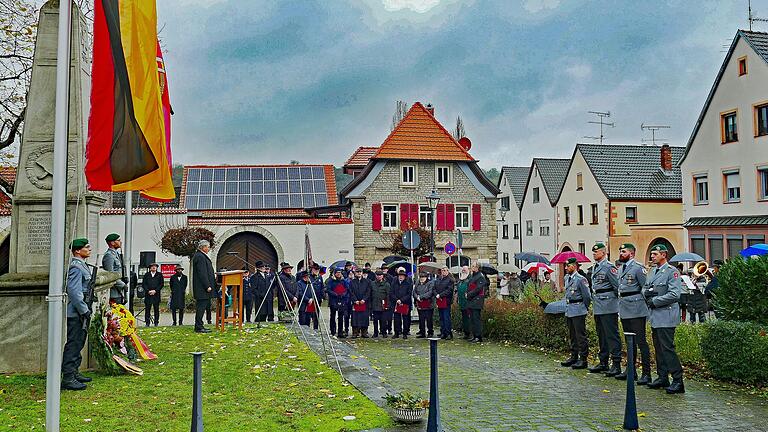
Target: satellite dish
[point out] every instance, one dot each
(465, 143)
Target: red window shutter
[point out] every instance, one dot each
(450, 217)
(441, 217)
(476, 216)
(404, 216)
(376, 216)
(415, 215)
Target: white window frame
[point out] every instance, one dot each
(456, 216)
(626, 214)
(448, 183)
(384, 212)
(730, 197)
(403, 180)
(505, 231)
(544, 228)
(425, 216)
(700, 179)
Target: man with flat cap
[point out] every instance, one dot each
(113, 262)
(662, 291)
(153, 284)
(178, 285)
(577, 299)
(633, 310)
(401, 298)
(380, 289)
(78, 280)
(605, 306)
(288, 289)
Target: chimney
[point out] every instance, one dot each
(431, 109)
(666, 158)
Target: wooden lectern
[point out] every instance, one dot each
(233, 279)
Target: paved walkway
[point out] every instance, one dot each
(493, 387)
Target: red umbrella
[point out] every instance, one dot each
(563, 257)
(536, 266)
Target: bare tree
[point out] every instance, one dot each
(400, 110)
(458, 133)
(18, 30)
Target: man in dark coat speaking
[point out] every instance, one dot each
(203, 283)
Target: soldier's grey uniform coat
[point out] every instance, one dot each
(577, 291)
(632, 279)
(113, 262)
(666, 283)
(605, 276)
(78, 279)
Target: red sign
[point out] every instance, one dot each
(168, 270)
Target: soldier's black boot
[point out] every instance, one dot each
(569, 362)
(70, 383)
(600, 367)
(580, 364)
(82, 378)
(614, 370)
(659, 383)
(676, 387)
(645, 379)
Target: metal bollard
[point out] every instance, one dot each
(630, 409)
(197, 393)
(433, 423)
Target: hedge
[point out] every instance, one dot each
(728, 350)
(741, 295)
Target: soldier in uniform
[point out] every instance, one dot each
(605, 305)
(662, 291)
(632, 308)
(113, 262)
(78, 279)
(577, 298)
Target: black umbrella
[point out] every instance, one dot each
(392, 258)
(531, 257)
(488, 269)
(340, 265)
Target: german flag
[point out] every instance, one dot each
(127, 146)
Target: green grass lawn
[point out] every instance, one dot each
(242, 390)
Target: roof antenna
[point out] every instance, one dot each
(753, 18)
(601, 116)
(653, 129)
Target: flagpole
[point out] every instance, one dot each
(55, 297)
(128, 243)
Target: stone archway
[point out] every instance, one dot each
(661, 241)
(255, 237)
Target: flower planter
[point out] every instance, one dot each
(409, 415)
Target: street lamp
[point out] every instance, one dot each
(433, 198)
(503, 212)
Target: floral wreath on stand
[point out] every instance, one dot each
(119, 344)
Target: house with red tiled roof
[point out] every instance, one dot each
(418, 157)
(358, 161)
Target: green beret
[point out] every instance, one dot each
(629, 246)
(572, 261)
(659, 248)
(598, 246)
(78, 243)
(112, 237)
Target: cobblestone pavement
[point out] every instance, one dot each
(494, 387)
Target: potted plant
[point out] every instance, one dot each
(406, 407)
(285, 316)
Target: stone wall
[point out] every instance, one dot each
(371, 246)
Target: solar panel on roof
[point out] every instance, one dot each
(256, 187)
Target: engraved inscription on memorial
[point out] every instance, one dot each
(39, 234)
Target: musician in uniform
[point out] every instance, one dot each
(577, 299)
(662, 291)
(605, 306)
(78, 281)
(113, 262)
(633, 310)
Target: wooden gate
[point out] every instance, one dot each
(250, 247)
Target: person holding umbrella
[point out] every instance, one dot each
(578, 299)
(424, 294)
(605, 285)
(478, 286)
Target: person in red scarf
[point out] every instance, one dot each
(338, 297)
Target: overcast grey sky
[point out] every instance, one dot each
(270, 81)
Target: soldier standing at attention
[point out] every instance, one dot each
(605, 305)
(113, 262)
(577, 305)
(78, 279)
(632, 308)
(662, 292)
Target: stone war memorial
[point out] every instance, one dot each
(23, 291)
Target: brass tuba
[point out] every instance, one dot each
(700, 269)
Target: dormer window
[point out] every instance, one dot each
(743, 66)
